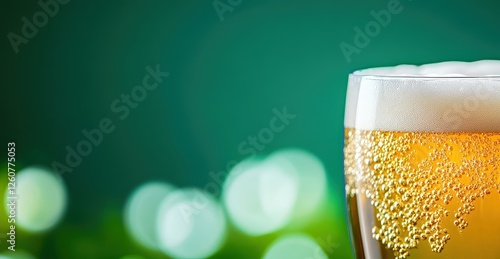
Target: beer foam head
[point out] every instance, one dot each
(443, 69)
(440, 97)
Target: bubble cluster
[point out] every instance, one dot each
(417, 180)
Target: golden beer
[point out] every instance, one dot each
(428, 192)
(422, 161)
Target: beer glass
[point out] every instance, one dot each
(422, 162)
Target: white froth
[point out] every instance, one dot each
(441, 97)
(443, 69)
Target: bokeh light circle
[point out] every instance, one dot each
(18, 254)
(132, 257)
(191, 224)
(141, 212)
(311, 176)
(295, 246)
(41, 199)
(260, 197)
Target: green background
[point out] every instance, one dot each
(225, 79)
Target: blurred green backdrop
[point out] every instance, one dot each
(226, 77)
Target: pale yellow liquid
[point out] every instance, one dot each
(423, 195)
